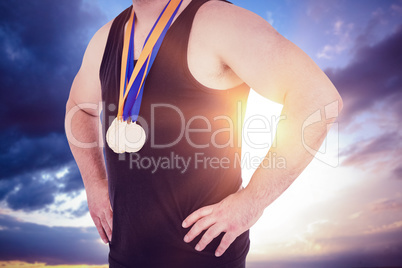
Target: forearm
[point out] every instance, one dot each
(290, 149)
(83, 128)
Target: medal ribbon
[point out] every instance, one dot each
(132, 78)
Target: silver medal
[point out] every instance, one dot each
(135, 137)
(125, 137)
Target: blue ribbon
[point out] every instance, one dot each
(133, 102)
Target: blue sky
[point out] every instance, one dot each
(348, 215)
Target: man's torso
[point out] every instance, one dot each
(149, 202)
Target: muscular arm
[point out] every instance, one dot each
(282, 72)
(82, 130)
(279, 70)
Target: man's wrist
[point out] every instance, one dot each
(255, 198)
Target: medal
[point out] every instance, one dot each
(124, 134)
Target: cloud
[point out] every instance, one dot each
(6, 186)
(37, 190)
(318, 10)
(355, 215)
(342, 33)
(385, 228)
(397, 9)
(386, 204)
(368, 35)
(81, 211)
(383, 148)
(53, 245)
(398, 172)
(36, 169)
(21, 154)
(41, 46)
(330, 244)
(374, 75)
(31, 194)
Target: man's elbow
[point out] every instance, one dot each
(340, 103)
(332, 102)
(337, 99)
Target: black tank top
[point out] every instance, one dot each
(153, 191)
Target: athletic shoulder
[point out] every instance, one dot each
(86, 87)
(248, 45)
(96, 47)
(226, 26)
(219, 15)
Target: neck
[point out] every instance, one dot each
(147, 11)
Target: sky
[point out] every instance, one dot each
(344, 210)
